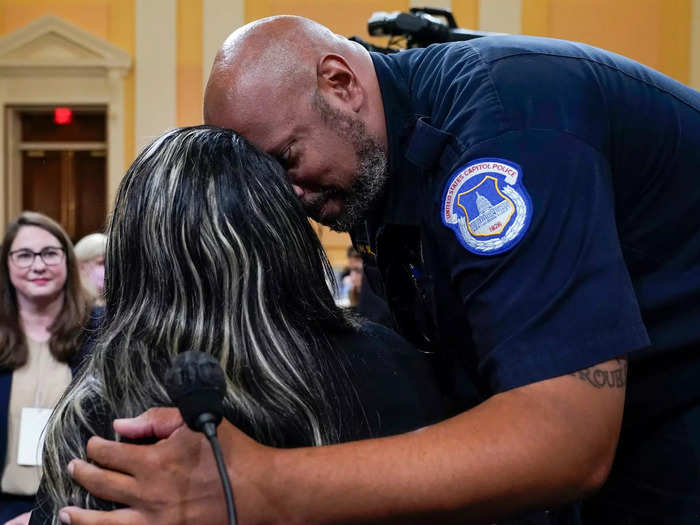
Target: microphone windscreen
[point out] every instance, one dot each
(196, 384)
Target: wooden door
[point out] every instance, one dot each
(68, 186)
(90, 192)
(41, 182)
(62, 176)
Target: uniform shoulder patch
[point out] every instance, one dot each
(487, 206)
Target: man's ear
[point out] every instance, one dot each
(336, 78)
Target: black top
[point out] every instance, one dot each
(394, 383)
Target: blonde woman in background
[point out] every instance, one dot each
(90, 252)
(43, 312)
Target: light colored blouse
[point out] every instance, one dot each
(39, 383)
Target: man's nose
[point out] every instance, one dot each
(294, 179)
(298, 190)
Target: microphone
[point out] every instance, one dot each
(196, 384)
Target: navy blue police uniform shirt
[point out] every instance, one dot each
(542, 216)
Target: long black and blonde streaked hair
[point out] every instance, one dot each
(209, 249)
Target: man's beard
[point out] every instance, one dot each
(371, 177)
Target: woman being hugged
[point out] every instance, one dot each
(210, 250)
(43, 313)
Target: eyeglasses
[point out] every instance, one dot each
(25, 258)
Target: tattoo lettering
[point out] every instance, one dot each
(598, 377)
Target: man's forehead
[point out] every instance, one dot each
(240, 112)
(229, 92)
(267, 129)
(266, 113)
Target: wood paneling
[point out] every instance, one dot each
(87, 127)
(68, 186)
(66, 183)
(90, 196)
(41, 182)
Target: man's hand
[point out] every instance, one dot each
(156, 422)
(174, 481)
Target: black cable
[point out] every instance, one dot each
(210, 432)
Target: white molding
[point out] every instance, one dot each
(60, 146)
(440, 4)
(220, 18)
(502, 16)
(155, 74)
(50, 62)
(52, 42)
(695, 45)
(10, 203)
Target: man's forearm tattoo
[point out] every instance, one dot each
(601, 378)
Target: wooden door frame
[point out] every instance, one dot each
(16, 146)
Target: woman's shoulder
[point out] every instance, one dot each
(96, 316)
(395, 382)
(376, 338)
(384, 352)
(91, 330)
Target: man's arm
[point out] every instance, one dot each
(535, 446)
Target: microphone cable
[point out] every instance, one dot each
(210, 431)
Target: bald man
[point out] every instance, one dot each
(528, 207)
(335, 154)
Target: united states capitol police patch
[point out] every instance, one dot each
(486, 205)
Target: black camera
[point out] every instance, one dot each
(420, 27)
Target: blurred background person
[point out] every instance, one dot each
(353, 280)
(43, 309)
(90, 252)
(209, 249)
(350, 280)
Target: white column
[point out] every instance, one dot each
(115, 133)
(695, 45)
(502, 16)
(4, 175)
(219, 19)
(440, 4)
(155, 69)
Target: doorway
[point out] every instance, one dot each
(63, 167)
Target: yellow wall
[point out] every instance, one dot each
(342, 16)
(466, 13)
(122, 34)
(91, 15)
(189, 62)
(112, 20)
(654, 32)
